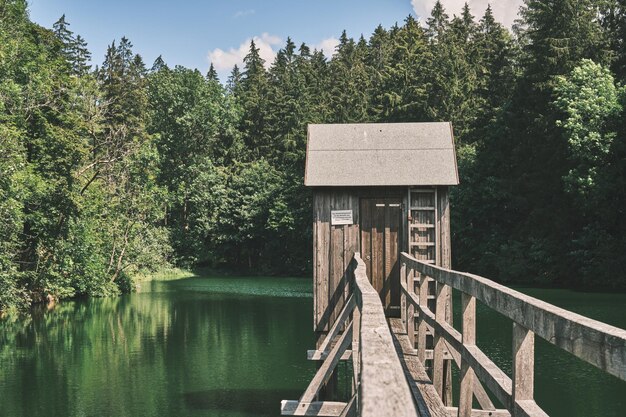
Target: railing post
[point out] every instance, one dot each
(410, 308)
(440, 317)
(523, 365)
(356, 347)
(404, 280)
(469, 339)
(421, 323)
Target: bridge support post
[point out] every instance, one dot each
(439, 371)
(403, 279)
(410, 308)
(421, 323)
(469, 338)
(523, 365)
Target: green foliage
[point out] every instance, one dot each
(590, 100)
(119, 171)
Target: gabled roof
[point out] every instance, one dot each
(372, 154)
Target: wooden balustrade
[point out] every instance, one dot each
(597, 343)
(380, 388)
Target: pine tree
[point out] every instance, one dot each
(438, 21)
(234, 81)
(158, 64)
(614, 23)
(62, 32)
(349, 81)
(212, 74)
(80, 56)
(400, 89)
(251, 98)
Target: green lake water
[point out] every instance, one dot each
(233, 347)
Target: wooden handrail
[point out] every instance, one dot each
(384, 390)
(380, 386)
(597, 343)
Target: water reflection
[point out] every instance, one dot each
(234, 347)
(171, 351)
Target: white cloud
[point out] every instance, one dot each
(327, 45)
(225, 60)
(244, 13)
(505, 11)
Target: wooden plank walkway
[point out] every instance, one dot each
(388, 356)
(428, 402)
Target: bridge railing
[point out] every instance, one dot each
(359, 333)
(597, 343)
(383, 388)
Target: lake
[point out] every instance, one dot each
(233, 347)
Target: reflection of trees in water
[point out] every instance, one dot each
(110, 356)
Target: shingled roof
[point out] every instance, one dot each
(372, 154)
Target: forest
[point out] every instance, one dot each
(120, 168)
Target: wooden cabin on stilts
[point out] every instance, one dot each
(379, 189)
(383, 288)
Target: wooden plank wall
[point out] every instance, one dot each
(334, 246)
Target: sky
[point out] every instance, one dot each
(194, 33)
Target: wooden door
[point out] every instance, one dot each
(381, 220)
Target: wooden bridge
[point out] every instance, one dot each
(399, 364)
(382, 190)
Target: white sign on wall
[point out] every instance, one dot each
(338, 217)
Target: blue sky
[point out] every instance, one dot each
(193, 32)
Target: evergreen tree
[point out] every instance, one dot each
(349, 82)
(251, 97)
(80, 56)
(212, 74)
(158, 64)
(234, 81)
(438, 22)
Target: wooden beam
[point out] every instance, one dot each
(453, 412)
(410, 309)
(428, 402)
(479, 392)
(328, 366)
(318, 355)
(467, 373)
(403, 282)
(383, 388)
(421, 299)
(597, 343)
(487, 371)
(440, 316)
(350, 409)
(523, 365)
(341, 319)
(316, 408)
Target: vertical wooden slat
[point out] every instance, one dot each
(337, 291)
(445, 260)
(442, 295)
(394, 215)
(378, 236)
(366, 234)
(403, 305)
(323, 259)
(469, 338)
(356, 337)
(523, 364)
(387, 256)
(316, 278)
(410, 311)
(421, 327)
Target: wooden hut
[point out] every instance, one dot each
(378, 189)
